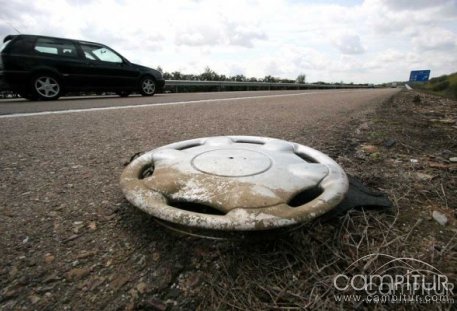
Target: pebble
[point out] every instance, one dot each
(48, 258)
(34, 299)
(440, 218)
(453, 159)
(369, 148)
(141, 287)
(364, 126)
(390, 143)
(92, 225)
(422, 176)
(77, 273)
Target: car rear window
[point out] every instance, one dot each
(4, 45)
(19, 45)
(55, 47)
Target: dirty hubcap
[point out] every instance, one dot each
(235, 183)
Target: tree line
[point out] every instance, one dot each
(210, 75)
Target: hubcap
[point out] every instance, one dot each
(251, 182)
(47, 87)
(148, 86)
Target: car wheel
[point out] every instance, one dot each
(123, 93)
(46, 87)
(147, 86)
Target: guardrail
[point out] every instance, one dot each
(222, 85)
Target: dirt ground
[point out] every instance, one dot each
(112, 256)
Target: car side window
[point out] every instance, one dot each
(101, 53)
(55, 47)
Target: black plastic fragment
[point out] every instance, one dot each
(133, 157)
(359, 196)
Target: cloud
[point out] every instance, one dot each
(243, 35)
(407, 17)
(199, 36)
(349, 44)
(435, 39)
(417, 4)
(372, 41)
(220, 33)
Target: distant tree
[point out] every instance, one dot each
(159, 69)
(167, 76)
(190, 77)
(301, 78)
(176, 75)
(270, 79)
(209, 75)
(239, 78)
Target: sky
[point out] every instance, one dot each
(370, 41)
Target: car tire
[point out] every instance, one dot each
(123, 93)
(45, 87)
(147, 86)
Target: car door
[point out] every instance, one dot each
(62, 56)
(110, 70)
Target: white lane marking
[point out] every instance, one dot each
(45, 113)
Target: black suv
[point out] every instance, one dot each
(44, 68)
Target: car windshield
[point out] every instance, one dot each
(4, 45)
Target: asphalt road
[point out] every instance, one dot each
(13, 106)
(60, 171)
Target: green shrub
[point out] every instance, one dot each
(452, 91)
(438, 79)
(440, 86)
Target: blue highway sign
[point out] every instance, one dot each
(419, 75)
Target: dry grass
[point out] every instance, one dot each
(297, 271)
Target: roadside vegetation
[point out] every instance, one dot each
(445, 85)
(210, 75)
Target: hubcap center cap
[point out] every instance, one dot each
(232, 162)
